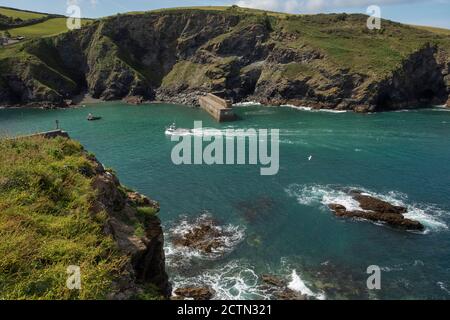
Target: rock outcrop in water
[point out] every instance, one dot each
(322, 61)
(207, 237)
(377, 210)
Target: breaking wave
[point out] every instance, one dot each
(178, 256)
(303, 108)
(236, 280)
(298, 285)
(246, 104)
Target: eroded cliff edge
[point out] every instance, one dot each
(135, 227)
(321, 61)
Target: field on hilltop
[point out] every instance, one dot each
(47, 28)
(21, 14)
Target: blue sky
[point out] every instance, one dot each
(421, 12)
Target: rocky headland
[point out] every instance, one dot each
(321, 61)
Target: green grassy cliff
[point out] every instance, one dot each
(59, 207)
(324, 61)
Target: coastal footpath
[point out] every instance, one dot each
(178, 55)
(60, 207)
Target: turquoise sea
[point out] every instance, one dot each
(280, 224)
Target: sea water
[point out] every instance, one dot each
(280, 224)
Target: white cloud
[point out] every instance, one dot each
(314, 5)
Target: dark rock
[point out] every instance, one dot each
(204, 237)
(288, 294)
(339, 209)
(147, 260)
(377, 205)
(273, 280)
(376, 210)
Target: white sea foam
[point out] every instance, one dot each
(443, 287)
(304, 108)
(178, 256)
(311, 195)
(246, 104)
(236, 280)
(429, 215)
(298, 285)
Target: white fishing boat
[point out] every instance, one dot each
(173, 130)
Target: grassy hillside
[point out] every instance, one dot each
(328, 60)
(50, 27)
(21, 14)
(46, 223)
(441, 31)
(235, 9)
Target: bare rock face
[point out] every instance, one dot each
(178, 56)
(377, 210)
(146, 252)
(194, 293)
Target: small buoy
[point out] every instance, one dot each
(309, 158)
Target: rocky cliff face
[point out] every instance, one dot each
(324, 61)
(128, 212)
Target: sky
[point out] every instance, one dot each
(420, 12)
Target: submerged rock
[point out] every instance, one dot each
(256, 210)
(376, 210)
